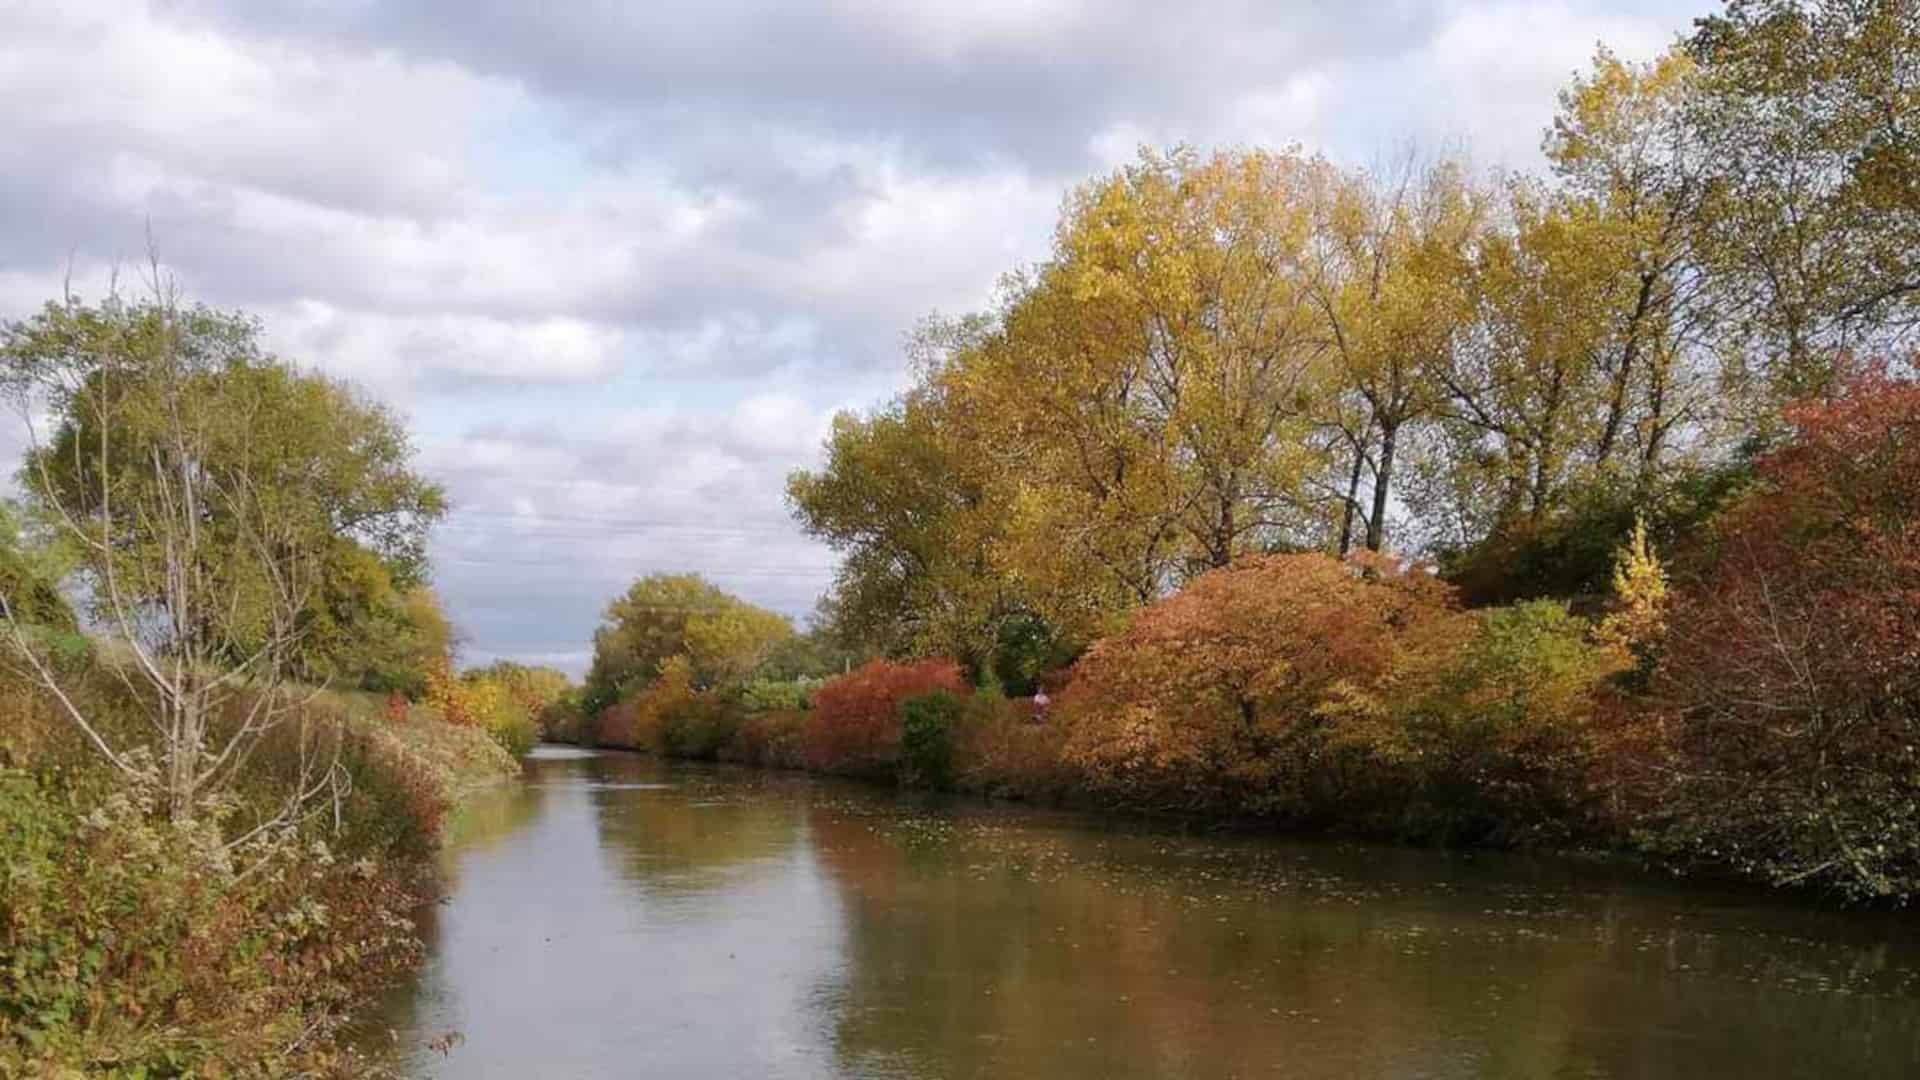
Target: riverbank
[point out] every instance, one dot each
(987, 746)
(135, 945)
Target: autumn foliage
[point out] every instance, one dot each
(1212, 699)
(638, 721)
(854, 725)
(1790, 683)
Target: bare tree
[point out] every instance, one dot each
(198, 568)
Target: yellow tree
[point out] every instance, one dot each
(902, 496)
(1146, 397)
(1525, 397)
(1393, 257)
(1621, 143)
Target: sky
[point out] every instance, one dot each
(620, 263)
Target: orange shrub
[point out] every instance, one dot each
(854, 726)
(1213, 698)
(1004, 747)
(638, 721)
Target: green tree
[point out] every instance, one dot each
(899, 498)
(1809, 115)
(206, 487)
(663, 616)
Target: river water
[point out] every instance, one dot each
(619, 916)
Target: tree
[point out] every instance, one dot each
(1621, 144)
(1390, 282)
(204, 487)
(662, 616)
(1809, 117)
(898, 497)
(1145, 395)
(1526, 400)
(533, 687)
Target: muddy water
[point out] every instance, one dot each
(617, 916)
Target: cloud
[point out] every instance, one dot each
(555, 523)
(620, 262)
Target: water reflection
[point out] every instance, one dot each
(621, 917)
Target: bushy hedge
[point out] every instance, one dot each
(1352, 695)
(1787, 701)
(854, 725)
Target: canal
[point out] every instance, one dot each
(619, 916)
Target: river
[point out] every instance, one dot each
(620, 916)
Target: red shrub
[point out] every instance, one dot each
(1791, 680)
(1005, 747)
(855, 723)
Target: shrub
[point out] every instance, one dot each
(1003, 749)
(638, 721)
(769, 739)
(927, 725)
(135, 946)
(778, 695)
(698, 725)
(1482, 733)
(1213, 698)
(854, 726)
(561, 720)
(1789, 685)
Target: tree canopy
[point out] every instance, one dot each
(663, 616)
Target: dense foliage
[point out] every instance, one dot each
(131, 945)
(1790, 680)
(663, 616)
(1622, 407)
(1215, 698)
(854, 725)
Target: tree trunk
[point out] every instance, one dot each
(1382, 482)
(1353, 499)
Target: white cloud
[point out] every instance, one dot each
(396, 352)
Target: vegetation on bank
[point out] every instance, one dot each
(133, 944)
(1568, 509)
(229, 734)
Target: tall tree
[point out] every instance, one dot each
(1147, 394)
(1390, 282)
(1622, 145)
(1809, 114)
(1526, 400)
(904, 499)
